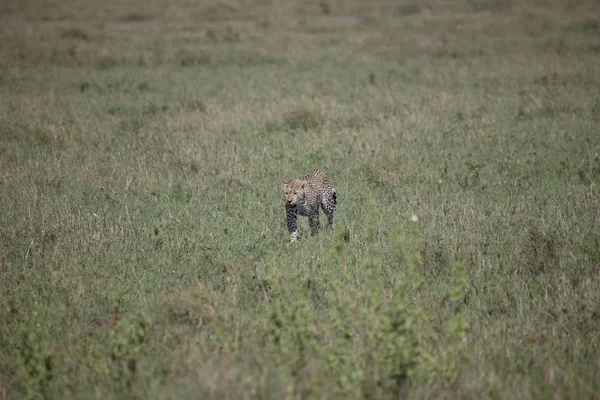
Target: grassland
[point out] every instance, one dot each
(143, 247)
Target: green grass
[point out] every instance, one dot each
(143, 246)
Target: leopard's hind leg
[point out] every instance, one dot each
(329, 206)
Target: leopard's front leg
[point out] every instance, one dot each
(292, 222)
(313, 221)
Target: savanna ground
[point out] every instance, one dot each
(143, 243)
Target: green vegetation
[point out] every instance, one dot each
(143, 247)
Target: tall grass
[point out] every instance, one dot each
(143, 246)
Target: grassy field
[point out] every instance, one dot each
(143, 248)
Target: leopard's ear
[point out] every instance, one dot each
(284, 186)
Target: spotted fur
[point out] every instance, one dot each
(303, 196)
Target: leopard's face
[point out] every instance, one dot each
(293, 193)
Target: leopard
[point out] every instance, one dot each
(303, 196)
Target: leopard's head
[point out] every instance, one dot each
(294, 192)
